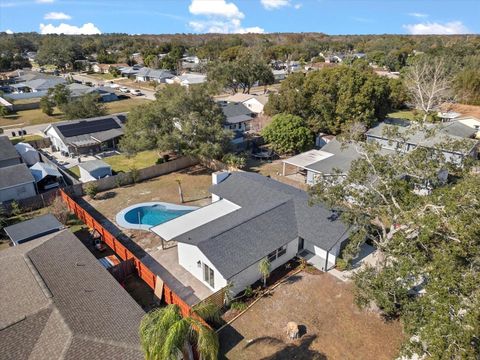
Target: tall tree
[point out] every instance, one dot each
(188, 121)
(165, 334)
(85, 106)
(429, 81)
(288, 134)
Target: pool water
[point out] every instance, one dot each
(152, 215)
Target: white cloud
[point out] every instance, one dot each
(57, 16)
(418, 15)
(274, 4)
(44, 1)
(219, 8)
(8, 31)
(219, 16)
(297, 6)
(85, 29)
(224, 27)
(449, 28)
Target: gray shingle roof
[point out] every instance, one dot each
(84, 132)
(15, 175)
(271, 215)
(155, 73)
(236, 112)
(93, 165)
(7, 150)
(58, 302)
(33, 228)
(434, 135)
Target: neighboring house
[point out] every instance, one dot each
(432, 136)
(279, 75)
(32, 229)
(105, 68)
(46, 176)
(237, 116)
(29, 154)
(472, 122)
(16, 183)
(252, 217)
(158, 75)
(255, 103)
(333, 160)
(130, 71)
(8, 155)
(39, 84)
(86, 136)
(58, 302)
(187, 79)
(26, 100)
(105, 94)
(94, 170)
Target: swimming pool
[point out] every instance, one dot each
(145, 215)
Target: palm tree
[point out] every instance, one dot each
(165, 334)
(264, 270)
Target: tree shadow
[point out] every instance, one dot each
(107, 195)
(298, 349)
(229, 338)
(293, 279)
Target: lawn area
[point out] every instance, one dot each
(107, 76)
(25, 138)
(75, 171)
(272, 168)
(409, 115)
(331, 325)
(36, 116)
(122, 163)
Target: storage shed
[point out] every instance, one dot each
(94, 170)
(33, 229)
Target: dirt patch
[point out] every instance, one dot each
(465, 110)
(331, 325)
(273, 169)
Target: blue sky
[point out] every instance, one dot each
(239, 16)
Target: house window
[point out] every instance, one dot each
(277, 253)
(208, 275)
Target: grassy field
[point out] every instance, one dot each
(122, 163)
(409, 115)
(25, 138)
(36, 116)
(75, 171)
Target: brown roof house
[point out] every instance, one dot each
(58, 302)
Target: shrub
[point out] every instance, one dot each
(238, 305)
(160, 161)
(236, 161)
(248, 291)
(134, 174)
(91, 190)
(342, 264)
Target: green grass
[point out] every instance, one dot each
(25, 138)
(75, 171)
(409, 115)
(122, 163)
(36, 116)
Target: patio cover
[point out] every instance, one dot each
(42, 170)
(305, 159)
(194, 219)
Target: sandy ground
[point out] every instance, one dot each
(331, 325)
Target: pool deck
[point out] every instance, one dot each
(165, 264)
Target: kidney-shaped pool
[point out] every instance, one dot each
(145, 215)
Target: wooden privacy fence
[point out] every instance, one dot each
(142, 270)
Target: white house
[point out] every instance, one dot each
(158, 75)
(255, 103)
(187, 79)
(252, 217)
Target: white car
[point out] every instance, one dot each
(124, 89)
(136, 92)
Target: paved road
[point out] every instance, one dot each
(147, 94)
(31, 129)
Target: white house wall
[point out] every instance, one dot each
(188, 257)
(56, 141)
(254, 105)
(251, 274)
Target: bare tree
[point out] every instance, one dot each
(428, 80)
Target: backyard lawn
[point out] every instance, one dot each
(331, 326)
(408, 114)
(36, 116)
(123, 163)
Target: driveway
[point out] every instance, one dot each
(331, 325)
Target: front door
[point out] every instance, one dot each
(301, 244)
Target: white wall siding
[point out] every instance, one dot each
(188, 257)
(251, 274)
(56, 141)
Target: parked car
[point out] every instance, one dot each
(136, 92)
(124, 89)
